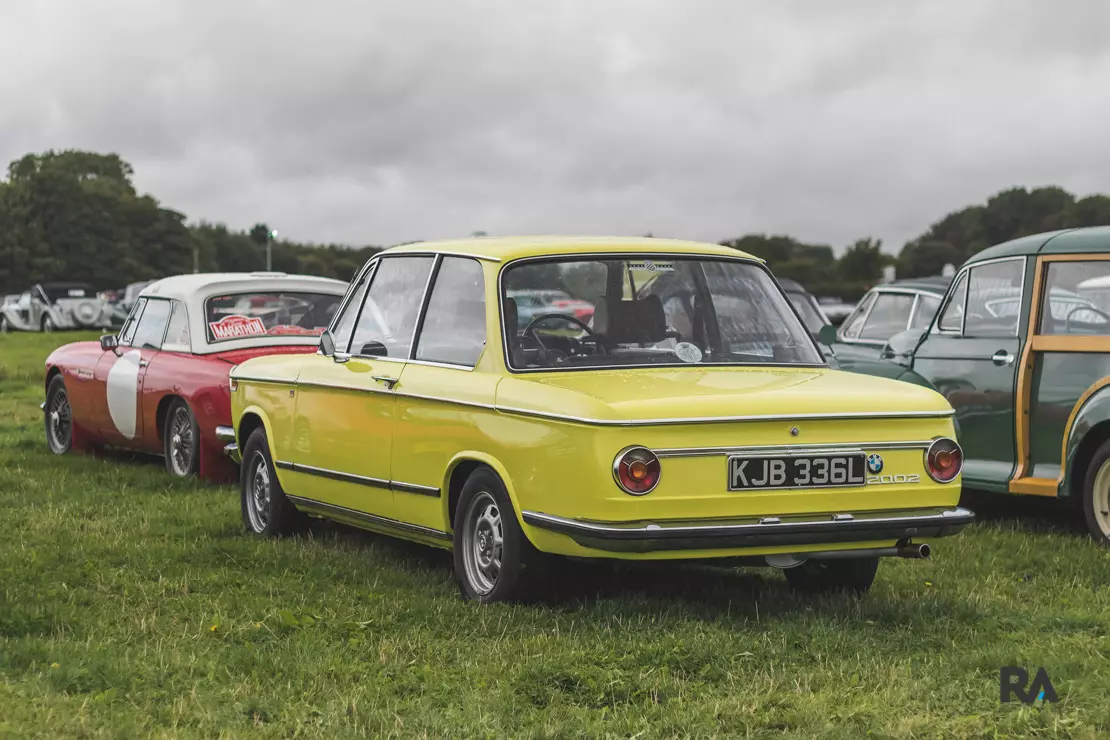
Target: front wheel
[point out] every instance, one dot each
(181, 441)
(47, 324)
(265, 509)
(491, 551)
(58, 417)
(854, 575)
(1096, 495)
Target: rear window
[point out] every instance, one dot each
(245, 315)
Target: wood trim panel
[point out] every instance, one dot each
(1034, 486)
(1025, 379)
(1071, 423)
(1070, 343)
(1074, 257)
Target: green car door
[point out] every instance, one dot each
(971, 355)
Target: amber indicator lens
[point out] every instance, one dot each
(637, 470)
(944, 460)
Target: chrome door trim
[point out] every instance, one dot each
(372, 519)
(723, 419)
(801, 449)
(361, 480)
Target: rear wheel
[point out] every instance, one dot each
(824, 576)
(5, 326)
(181, 440)
(58, 417)
(265, 509)
(1096, 495)
(47, 324)
(491, 551)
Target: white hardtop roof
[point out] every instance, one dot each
(201, 285)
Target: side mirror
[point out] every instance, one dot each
(109, 342)
(827, 335)
(327, 344)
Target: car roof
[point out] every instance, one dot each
(201, 285)
(1067, 241)
(506, 248)
(937, 284)
(791, 285)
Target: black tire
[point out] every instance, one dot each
(47, 324)
(1096, 495)
(484, 508)
(5, 325)
(267, 513)
(181, 440)
(853, 575)
(57, 417)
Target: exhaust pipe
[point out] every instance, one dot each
(916, 552)
(903, 550)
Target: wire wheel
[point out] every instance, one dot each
(258, 494)
(483, 542)
(1100, 499)
(183, 445)
(59, 422)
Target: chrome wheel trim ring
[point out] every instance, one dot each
(182, 443)
(258, 494)
(59, 421)
(483, 543)
(1100, 499)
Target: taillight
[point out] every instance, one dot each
(636, 470)
(943, 460)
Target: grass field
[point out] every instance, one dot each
(132, 605)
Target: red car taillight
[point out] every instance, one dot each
(943, 460)
(636, 470)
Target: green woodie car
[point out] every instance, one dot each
(1021, 349)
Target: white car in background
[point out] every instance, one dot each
(56, 305)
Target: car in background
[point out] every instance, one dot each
(161, 384)
(806, 306)
(885, 310)
(835, 309)
(533, 303)
(1021, 349)
(53, 306)
(124, 300)
(694, 417)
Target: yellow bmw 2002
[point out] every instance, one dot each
(593, 398)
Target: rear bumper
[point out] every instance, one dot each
(231, 449)
(722, 534)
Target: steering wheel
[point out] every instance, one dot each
(530, 330)
(1067, 319)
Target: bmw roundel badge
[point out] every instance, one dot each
(875, 463)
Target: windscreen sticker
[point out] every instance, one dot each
(234, 327)
(290, 330)
(687, 352)
(650, 266)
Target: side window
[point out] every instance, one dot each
(997, 282)
(454, 329)
(854, 323)
(127, 332)
(1076, 298)
(152, 325)
(388, 317)
(345, 324)
(953, 317)
(177, 336)
(927, 306)
(890, 315)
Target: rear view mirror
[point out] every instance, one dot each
(827, 335)
(108, 342)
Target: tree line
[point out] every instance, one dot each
(76, 215)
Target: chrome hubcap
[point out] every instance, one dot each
(182, 444)
(258, 495)
(60, 421)
(1101, 497)
(483, 543)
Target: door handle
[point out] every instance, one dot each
(1002, 358)
(389, 382)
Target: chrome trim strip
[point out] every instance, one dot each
(225, 434)
(362, 480)
(723, 419)
(259, 379)
(380, 521)
(342, 387)
(232, 450)
(432, 253)
(801, 449)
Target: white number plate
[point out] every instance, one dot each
(815, 471)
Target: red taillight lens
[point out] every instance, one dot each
(943, 460)
(636, 470)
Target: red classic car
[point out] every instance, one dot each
(161, 385)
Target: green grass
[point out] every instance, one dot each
(134, 605)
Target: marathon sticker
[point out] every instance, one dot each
(235, 327)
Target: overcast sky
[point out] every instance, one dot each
(375, 123)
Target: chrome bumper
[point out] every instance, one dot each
(231, 449)
(766, 531)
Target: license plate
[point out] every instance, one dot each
(810, 471)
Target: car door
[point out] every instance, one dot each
(441, 390)
(970, 356)
(122, 373)
(344, 409)
(172, 370)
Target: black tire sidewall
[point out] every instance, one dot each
(1102, 454)
(282, 517)
(194, 465)
(57, 385)
(516, 550)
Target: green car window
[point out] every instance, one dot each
(1078, 298)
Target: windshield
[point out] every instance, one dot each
(807, 309)
(649, 311)
(242, 315)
